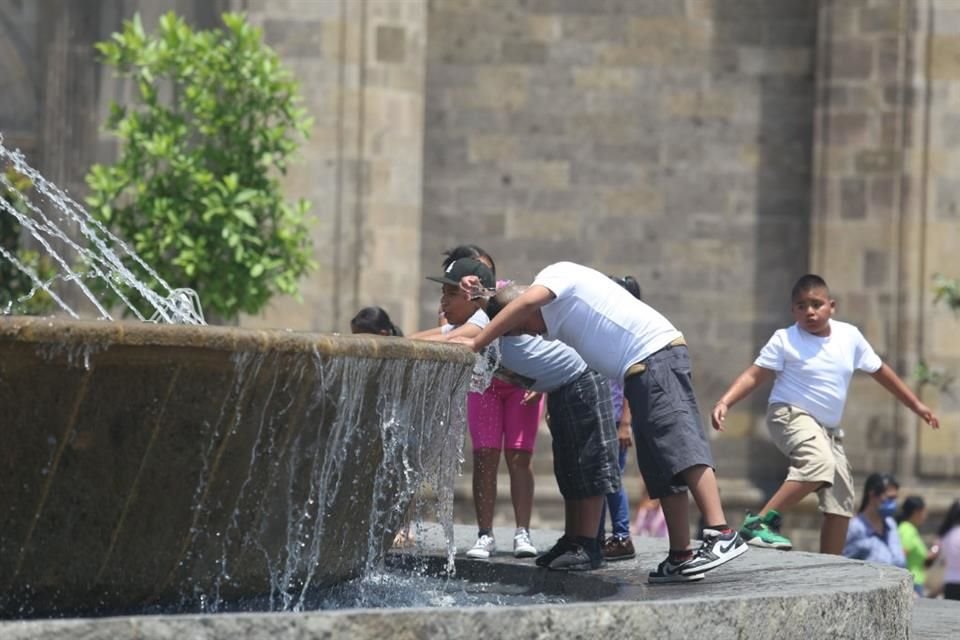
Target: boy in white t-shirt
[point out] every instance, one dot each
(626, 339)
(812, 362)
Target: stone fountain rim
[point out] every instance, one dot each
(107, 333)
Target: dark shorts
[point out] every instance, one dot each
(585, 445)
(667, 429)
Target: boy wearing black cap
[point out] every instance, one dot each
(465, 315)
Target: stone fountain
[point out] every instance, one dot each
(161, 464)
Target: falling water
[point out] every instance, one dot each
(307, 474)
(99, 257)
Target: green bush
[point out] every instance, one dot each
(17, 289)
(196, 190)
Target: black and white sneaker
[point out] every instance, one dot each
(670, 571)
(717, 548)
(563, 545)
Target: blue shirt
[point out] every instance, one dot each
(882, 547)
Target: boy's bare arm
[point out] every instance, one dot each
(746, 382)
(513, 315)
(890, 381)
(426, 334)
(466, 330)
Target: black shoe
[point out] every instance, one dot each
(717, 548)
(563, 545)
(577, 559)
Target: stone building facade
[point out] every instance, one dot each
(714, 149)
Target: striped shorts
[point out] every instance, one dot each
(585, 445)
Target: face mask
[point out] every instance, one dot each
(888, 507)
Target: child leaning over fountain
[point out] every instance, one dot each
(623, 338)
(584, 435)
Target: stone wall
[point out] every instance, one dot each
(885, 212)
(665, 139)
(360, 65)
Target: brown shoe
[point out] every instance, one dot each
(618, 549)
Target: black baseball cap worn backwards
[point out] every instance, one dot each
(466, 267)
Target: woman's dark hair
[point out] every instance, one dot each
(876, 484)
(468, 251)
(951, 520)
(630, 284)
(374, 320)
(910, 506)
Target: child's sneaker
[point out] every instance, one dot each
(482, 549)
(764, 531)
(670, 571)
(716, 549)
(522, 546)
(577, 558)
(563, 545)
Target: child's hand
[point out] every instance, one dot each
(529, 397)
(924, 412)
(719, 415)
(625, 436)
(467, 342)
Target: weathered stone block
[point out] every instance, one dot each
(853, 201)
(851, 59)
(294, 38)
(391, 44)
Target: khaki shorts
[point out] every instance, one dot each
(815, 455)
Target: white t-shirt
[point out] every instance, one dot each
(547, 365)
(478, 318)
(608, 327)
(813, 373)
(950, 552)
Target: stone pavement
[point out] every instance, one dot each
(764, 594)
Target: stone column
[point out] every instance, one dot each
(876, 236)
(361, 67)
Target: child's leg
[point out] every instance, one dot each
(677, 515)
(582, 517)
(789, 494)
(619, 506)
(833, 533)
(520, 423)
(703, 485)
(805, 443)
(485, 420)
(837, 503)
(485, 464)
(519, 463)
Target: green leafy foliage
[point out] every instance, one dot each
(17, 289)
(196, 190)
(946, 290)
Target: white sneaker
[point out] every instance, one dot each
(522, 547)
(484, 546)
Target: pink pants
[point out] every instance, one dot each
(498, 421)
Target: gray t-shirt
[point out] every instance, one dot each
(545, 365)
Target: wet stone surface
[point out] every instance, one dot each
(763, 594)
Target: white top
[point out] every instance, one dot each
(813, 373)
(608, 327)
(546, 365)
(478, 318)
(950, 552)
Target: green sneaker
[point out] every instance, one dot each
(765, 531)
